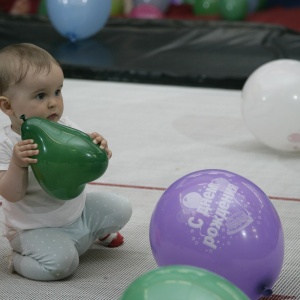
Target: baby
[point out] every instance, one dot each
(47, 235)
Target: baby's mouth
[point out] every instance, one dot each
(52, 117)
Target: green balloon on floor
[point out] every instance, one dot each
(233, 10)
(206, 7)
(182, 282)
(117, 7)
(42, 8)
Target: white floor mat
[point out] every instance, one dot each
(159, 134)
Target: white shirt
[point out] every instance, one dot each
(37, 209)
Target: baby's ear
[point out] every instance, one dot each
(5, 105)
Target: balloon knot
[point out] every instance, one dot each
(23, 117)
(72, 37)
(267, 292)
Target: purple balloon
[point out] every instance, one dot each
(222, 222)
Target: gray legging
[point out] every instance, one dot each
(53, 253)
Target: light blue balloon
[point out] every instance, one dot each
(78, 19)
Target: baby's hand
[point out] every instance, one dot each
(99, 140)
(22, 153)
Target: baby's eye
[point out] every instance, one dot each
(57, 92)
(41, 96)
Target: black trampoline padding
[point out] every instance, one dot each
(214, 54)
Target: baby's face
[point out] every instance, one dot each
(38, 95)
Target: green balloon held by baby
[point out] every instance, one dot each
(67, 160)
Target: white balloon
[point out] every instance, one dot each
(271, 104)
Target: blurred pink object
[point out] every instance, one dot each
(294, 138)
(146, 11)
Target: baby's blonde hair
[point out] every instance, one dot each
(17, 59)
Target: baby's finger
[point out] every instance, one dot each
(93, 135)
(103, 144)
(109, 153)
(99, 140)
(29, 153)
(28, 147)
(25, 142)
(32, 160)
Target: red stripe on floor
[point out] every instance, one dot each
(142, 187)
(129, 186)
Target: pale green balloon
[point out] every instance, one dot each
(182, 283)
(233, 10)
(206, 7)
